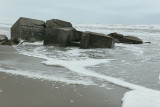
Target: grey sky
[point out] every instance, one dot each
(83, 11)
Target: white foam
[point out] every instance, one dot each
(129, 100)
(39, 43)
(141, 98)
(34, 53)
(38, 75)
(80, 68)
(73, 52)
(130, 47)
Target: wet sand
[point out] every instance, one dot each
(19, 91)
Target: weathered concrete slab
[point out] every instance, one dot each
(56, 23)
(59, 36)
(61, 33)
(126, 39)
(28, 29)
(96, 40)
(131, 40)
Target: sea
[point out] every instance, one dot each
(132, 66)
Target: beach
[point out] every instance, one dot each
(18, 90)
(128, 75)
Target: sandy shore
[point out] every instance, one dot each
(19, 91)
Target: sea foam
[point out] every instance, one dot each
(146, 97)
(43, 76)
(141, 98)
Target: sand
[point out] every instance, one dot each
(19, 91)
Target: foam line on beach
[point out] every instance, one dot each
(80, 67)
(42, 76)
(143, 94)
(139, 96)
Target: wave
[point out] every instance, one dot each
(150, 97)
(80, 62)
(134, 30)
(43, 76)
(79, 65)
(140, 31)
(118, 26)
(5, 29)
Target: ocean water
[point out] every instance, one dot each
(128, 65)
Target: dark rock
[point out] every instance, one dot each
(116, 36)
(61, 33)
(16, 41)
(75, 44)
(119, 38)
(77, 36)
(10, 42)
(3, 38)
(28, 29)
(148, 42)
(59, 36)
(56, 23)
(131, 40)
(96, 40)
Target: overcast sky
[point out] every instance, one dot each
(83, 11)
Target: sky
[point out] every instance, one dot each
(83, 11)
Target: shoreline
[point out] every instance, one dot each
(17, 91)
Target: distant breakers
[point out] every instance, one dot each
(61, 33)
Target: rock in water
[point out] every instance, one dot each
(59, 36)
(3, 38)
(119, 38)
(148, 42)
(61, 33)
(28, 29)
(96, 40)
(116, 36)
(56, 23)
(131, 40)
